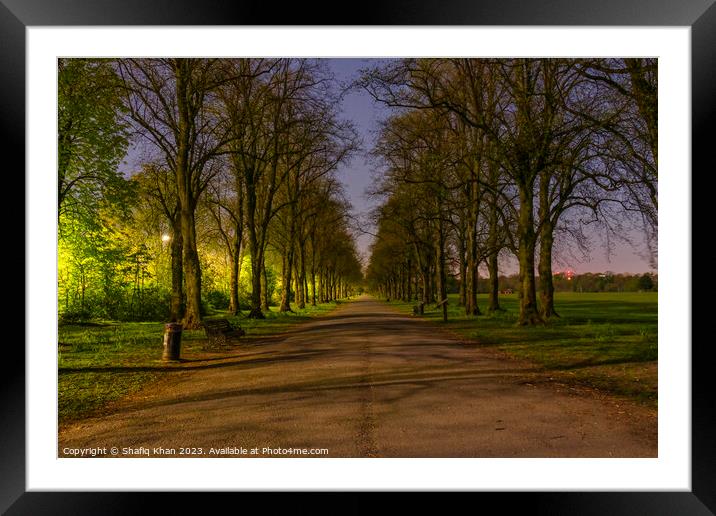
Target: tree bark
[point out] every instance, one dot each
(494, 281)
(442, 277)
(192, 271)
(287, 278)
(266, 297)
(177, 299)
(545, 272)
(492, 264)
(463, 270)
(529, 313)
(234, 307)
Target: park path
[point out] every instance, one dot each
(366, 381)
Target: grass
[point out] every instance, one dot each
(105, 361)
(604, 340)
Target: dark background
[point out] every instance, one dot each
(15, 15)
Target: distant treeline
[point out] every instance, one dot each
(587, 282)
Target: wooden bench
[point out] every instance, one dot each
(419, 309)
(219, 331)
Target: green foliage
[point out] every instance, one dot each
(106, 272)
(217, 300)
(646, 282)
(92, 138)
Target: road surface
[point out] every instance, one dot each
(366, 381)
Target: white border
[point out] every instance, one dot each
(671, 471)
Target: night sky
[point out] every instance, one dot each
(356, 177)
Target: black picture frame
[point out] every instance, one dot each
(700, 15)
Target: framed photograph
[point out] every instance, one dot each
(54, 460)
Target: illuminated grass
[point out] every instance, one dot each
(101, 363)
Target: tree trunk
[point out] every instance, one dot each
(287, 278)
(492, 265)
(301, 277)
(463, 270)
(265, 298)
(529, 313)
(545, 272)
(493, 294)
(177, 299)
(409, 281)
(192, 271)
(442, 277)
(234, 307)
(313, 285)
(471, 306)
(255, 312)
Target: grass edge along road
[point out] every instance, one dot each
(604, 341)
(103, 362)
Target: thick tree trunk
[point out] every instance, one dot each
(256, 276)
(545, 272)
(529, 313)
(255, 249)
(234, 307)
(492, 265)
(177, 299)
(297, 284)
(192, 271)
(493, 294)
(545, 250)
(416, 287)
(187, 197)
(426, 287)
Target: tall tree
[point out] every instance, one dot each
(172, 103)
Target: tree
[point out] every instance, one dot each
(631, 85)
(92, 139)
(646, 282)
(158, 187)
(534, 139)
(171, 102)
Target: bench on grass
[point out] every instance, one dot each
(419, 309)
(219, 331)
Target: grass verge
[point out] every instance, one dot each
(103, 362)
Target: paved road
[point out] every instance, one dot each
(369, 382)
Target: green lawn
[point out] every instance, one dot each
(107, 360)
(603, 340)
